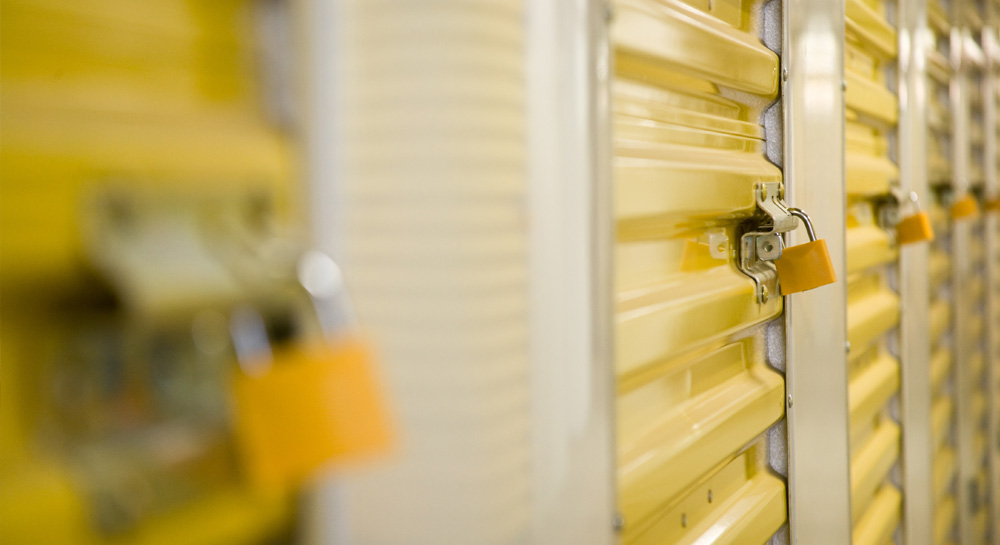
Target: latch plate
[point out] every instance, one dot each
(762, 243)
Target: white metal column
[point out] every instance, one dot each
(816, 335)
(570, 215)
(915, 381)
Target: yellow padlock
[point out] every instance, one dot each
(806, 266)
(966, 207)
(915, 228)
(315, 404)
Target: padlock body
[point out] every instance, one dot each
(805, 267)
(915, 228)
(965, 207)
(316, 404)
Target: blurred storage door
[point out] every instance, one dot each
(158, 97)
(696, 394)
(973, 298)
(873, 307)
(161, 93)
(435, 247)
(968, 284)
(939, 174)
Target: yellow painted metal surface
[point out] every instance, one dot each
(939, 174)
(873, 307)
(695, 392)
(154, 94)
(944, 520)
(162, 92)
(975, 290)
(878, 524)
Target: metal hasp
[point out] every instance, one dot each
(891, 208)
(761, 243)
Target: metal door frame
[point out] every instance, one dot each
(915, 345)
(812, 63)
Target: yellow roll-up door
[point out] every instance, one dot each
(972, 296)
(940, 266)
(873, 306)
(157, 94)
(695, 391)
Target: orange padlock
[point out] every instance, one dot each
(315, 404)
(806, 266)
(966, 207)
(915, 228)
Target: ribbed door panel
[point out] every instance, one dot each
(873, 307)
(159, 92)
(971, 298)
(939, 177)
(436, 247)
(695, 391)
(162, 98)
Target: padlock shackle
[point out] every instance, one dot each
(798, 213)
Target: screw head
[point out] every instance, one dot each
(764, 294)
(789, 401)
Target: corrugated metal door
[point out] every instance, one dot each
(968, 282)
(162, 94)
(991, 194)
(873, 306)
(696, 391)
(939, 175)
(433, 173)
(976, 288)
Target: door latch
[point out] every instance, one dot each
(914, 226)
(764, 258)
(762, 244)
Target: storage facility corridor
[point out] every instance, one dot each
(500, 272)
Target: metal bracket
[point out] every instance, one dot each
(762, 243)
(896, 206)
(890, 207)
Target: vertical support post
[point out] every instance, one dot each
(816, 335)
(915, 381)
(322, 519)
(569, 208)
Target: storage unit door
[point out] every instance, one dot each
(940, 270)
(970, 286)
(696, 395)
(873, 306)
(159, 98)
